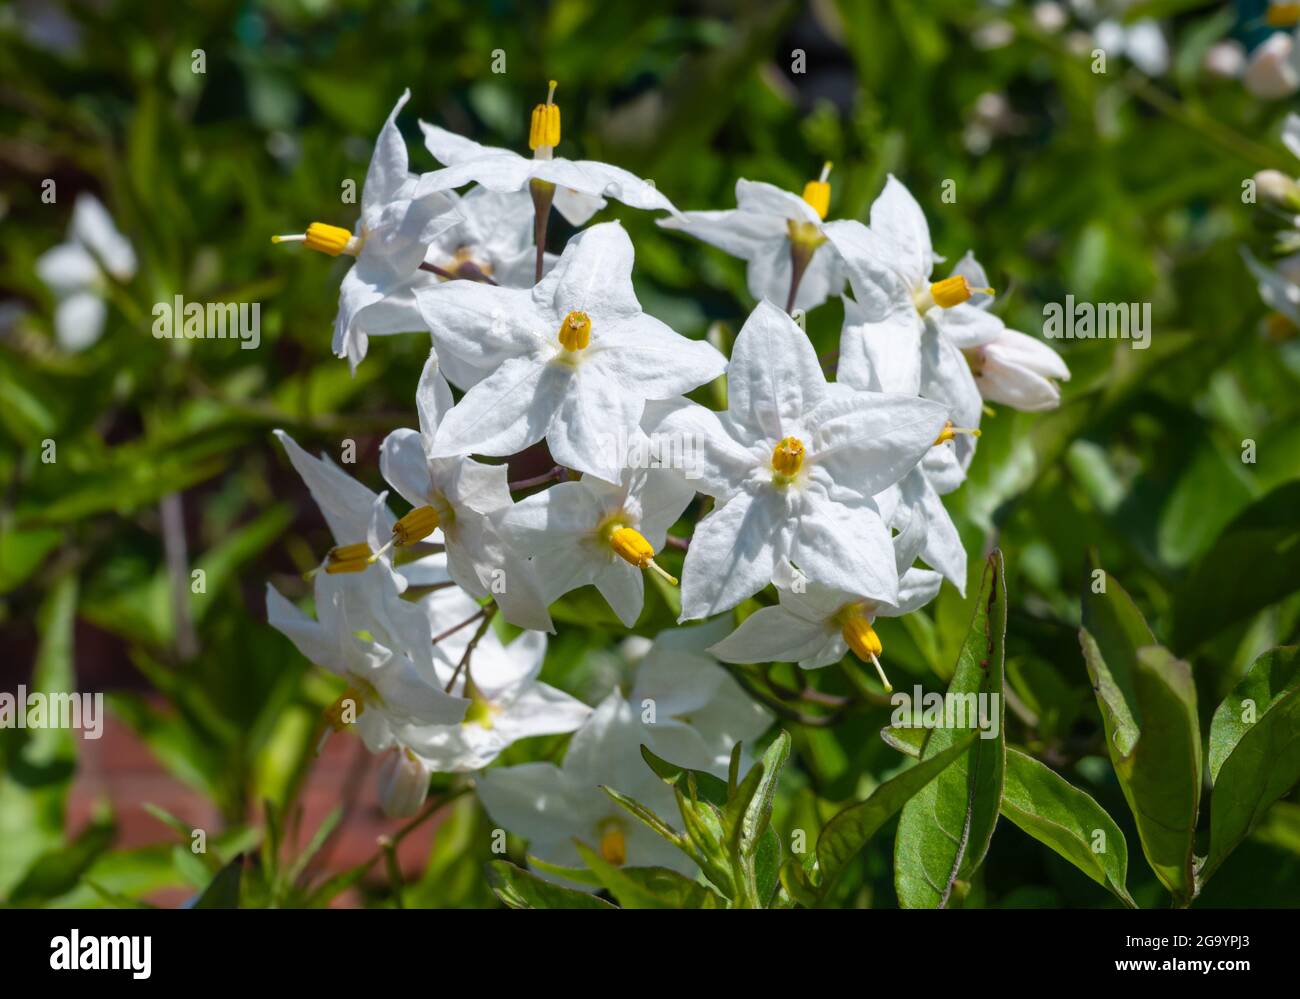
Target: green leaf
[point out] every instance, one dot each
(59, 871)
(1251, 565)
(520, 889)
(1253, 762)
(707, 787)
(850, 830)
(645, 815)
(758, 813)
(1148, 707)
(1055, 812)
(906, 740)
(945, 829)
(223, 892)
(649, 887)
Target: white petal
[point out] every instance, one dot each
(772, 635)
(623, 587)
(847, 549)
(869, 261)
(740, 233)
(870, 440)
(650, 361)
(388, 170)
(482, 325)
(510, 409)
(602, 180)
(758, 198)
(594, 275)
(403, 464)
(533, 800)
(345, 503)
(93, 226)
(732, 555)
(67, 267)
(883, 356)
(896, 216)
(774, 376)
(79, 320)
(967, 326)
(576, 207)
(432, 397)
(714, 462)
(594, 414)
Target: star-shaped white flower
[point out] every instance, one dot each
(815, 625)
(381, 645)
(794, 464)
(581, 186)
(592, 532)
(463, 499)
(573, 360)
(552, 806)
(400, 218)
(507, 701)
(774, 230)
(77, 271)
(695, 710)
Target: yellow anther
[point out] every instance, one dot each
(415, 526)
(632, 547)
(575, 331)
(348, 558)
(1282, 15)
(953, 291)
(323, 238)
(787, 458)
(613, 843)
(949, 432)
(346, 710)
(861, 637)
(544, 129)
(818, 193)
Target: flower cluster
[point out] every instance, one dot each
(829, 490)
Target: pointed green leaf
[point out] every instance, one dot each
(520, 889)
(851, 829)
(708, 787)
(1053, 811)
(945, 829)
(1254, 750)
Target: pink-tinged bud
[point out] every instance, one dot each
(1226, 59)
(403, 783)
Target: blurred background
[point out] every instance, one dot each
(1116, 186)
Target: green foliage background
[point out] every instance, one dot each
(1109, 187)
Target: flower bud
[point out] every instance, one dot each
(403, 783)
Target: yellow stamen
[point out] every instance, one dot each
(787, 459)
(415, 526)
(545, 127)
(575, 331)
(865, 643)
(348, 558)
(949, 432)
(613, 843)
(953, 291)
(818, 192)
(632, 547)
(345, 710)
(1282, 15)
(324, 238)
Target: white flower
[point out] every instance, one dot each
(573, 361)
(380, 644)
(1278, 293)
(77, 272)
(815, 625)
(1141, 41)
(358, 518)
(901, 311)
(775, 231)
(1017, 371)
(507, 702)
(1273, 69)
(581, 186)
(400, 218)
(592, 532)
(793, 465)
(551, 806)
(699, 710)
(462, 499)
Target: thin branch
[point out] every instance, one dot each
(488, 613)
